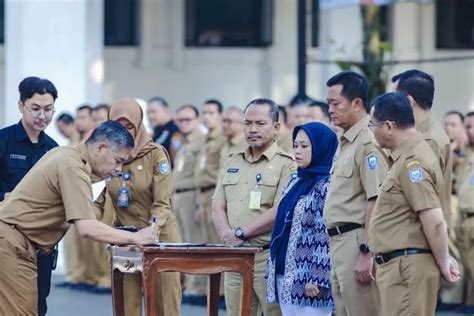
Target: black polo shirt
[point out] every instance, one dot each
(18, 155)
(162, 134)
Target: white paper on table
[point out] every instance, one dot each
(97, 189)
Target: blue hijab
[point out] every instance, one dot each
(324, 144)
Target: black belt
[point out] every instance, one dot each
(208, 188)
(184, 190)
(470, 214)
(265, 247)
(386, 257)
(339, 230)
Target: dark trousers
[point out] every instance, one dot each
(44, 265)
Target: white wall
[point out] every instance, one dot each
(162, 66)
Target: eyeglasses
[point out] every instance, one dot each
(372, 124)
(35, 113)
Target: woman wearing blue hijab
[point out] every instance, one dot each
(298, 268)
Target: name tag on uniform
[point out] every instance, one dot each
(255, 200)
(19, 157)
(232, 170)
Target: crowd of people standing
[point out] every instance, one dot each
(360, 207)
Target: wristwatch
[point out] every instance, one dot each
(239, 233)
(364, 248)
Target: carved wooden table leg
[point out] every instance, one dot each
(149, 289)
(117, 293)
(247, 286)
(213, 296)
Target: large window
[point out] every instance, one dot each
(229, 23)
(455, 24)
(384, 18)
(121, 22)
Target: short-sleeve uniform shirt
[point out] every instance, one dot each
(207, 164)
(185, 161)
(353, 176)
(413, 184)
(433, 133)
(55, 192)
(238, 178)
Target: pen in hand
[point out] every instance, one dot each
(152, 225)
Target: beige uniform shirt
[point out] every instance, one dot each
(149, 186)
(465, 184)
(185, 161)
(434, 134)
(236, 144)
(412, 185)
(285, 141)
(238, 178)
(353, 176)
(54, 193)
(207, 164)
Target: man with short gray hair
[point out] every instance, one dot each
(53, 195)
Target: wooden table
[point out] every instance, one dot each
(186, 258)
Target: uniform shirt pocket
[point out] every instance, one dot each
(344, 175)
(230, 183)
(268, 186)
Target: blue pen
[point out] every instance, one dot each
(153, 221)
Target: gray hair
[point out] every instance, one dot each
(113, 133)
(273, 111)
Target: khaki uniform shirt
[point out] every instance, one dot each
(434, 134)
(207, 164)
(150, 187)
(465, 183)
(412, 184)
(353, 176)
(185, 161)
(54, 193)
(238, 178)
(285, 141)
(234, 145)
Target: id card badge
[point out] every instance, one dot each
(255, 200)
(123, 197)
(202, 163)
(180, 164)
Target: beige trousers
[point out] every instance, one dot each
(408, 285)
(351, 298)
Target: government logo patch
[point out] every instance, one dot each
(372, 162)
(164, 167)
(415, 174)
